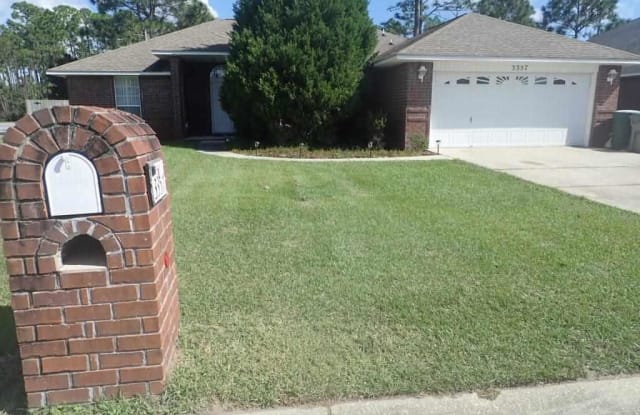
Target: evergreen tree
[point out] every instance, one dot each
(516, 11)
(428, 14)
(294, 67)
(578, 18)
(157, 17)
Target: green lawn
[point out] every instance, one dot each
(309, 282)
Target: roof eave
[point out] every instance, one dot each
(159, 53)
(403, 58)
(64, 74)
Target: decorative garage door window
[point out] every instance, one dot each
(541, 80)
(128, 94)
(509, 79)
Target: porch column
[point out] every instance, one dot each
(177, 89)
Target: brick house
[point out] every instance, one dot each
(172, 81)
(473, 81)
(625, 37)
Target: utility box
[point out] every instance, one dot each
(86, 223)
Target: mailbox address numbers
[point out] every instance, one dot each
(156, 181)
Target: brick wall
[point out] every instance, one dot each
(157, 104)
(629, 93)
(405, 100)
(606, 102)
(91, 90)
(88, 333)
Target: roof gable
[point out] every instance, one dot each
(476, 36)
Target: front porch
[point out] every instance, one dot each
(196, 84)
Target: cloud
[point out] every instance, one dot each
(213, 11)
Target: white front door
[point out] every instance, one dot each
(509, 109)
(220, 121)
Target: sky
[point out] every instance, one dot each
(377, 8)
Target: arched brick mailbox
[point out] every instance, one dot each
(86, 224)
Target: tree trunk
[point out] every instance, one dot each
(417, 18)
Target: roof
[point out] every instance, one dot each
(210, 38)
(475, 36)
(625, 37)
(387, 41)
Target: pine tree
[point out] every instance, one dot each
(516, 11)
(578, 18)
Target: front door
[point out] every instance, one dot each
(220, 121)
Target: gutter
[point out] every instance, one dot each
(187, 53)
(402, 58)
(105, 73)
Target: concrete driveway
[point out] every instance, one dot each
(609, 177)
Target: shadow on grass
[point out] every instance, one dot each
(12, 397)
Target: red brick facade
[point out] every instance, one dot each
(156, 97)
(158, 105)
(606, 102)
(406, 100)
(89, 332)
(91, 90)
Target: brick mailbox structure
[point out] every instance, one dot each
(86, 224)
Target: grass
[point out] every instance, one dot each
(334, 153)
(303, 283)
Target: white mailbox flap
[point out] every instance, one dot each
(72, 186)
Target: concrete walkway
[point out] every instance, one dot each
(230, 154)
(605, 176)
(603, 397)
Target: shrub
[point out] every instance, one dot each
(418, 142)
(294, 67)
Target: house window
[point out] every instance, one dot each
(482, 80)
(128, 94)
(524, 80)
(559, 81)
(463, 81)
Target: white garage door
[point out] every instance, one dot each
(509, 109)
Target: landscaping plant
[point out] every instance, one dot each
(294, 67)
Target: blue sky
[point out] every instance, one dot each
(377, 8)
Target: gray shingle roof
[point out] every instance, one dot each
(211, 36)
(476, 36)
(387, 41)
(625, 37)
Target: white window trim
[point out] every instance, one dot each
(115, 93)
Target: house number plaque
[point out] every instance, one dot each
(156, 181)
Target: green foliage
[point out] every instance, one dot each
(294, 67)
(516, 11)
(35, 39)
(157, 17)
(418, 142)
(430, 11)
(578, 18)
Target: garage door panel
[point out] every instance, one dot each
(511, 110)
